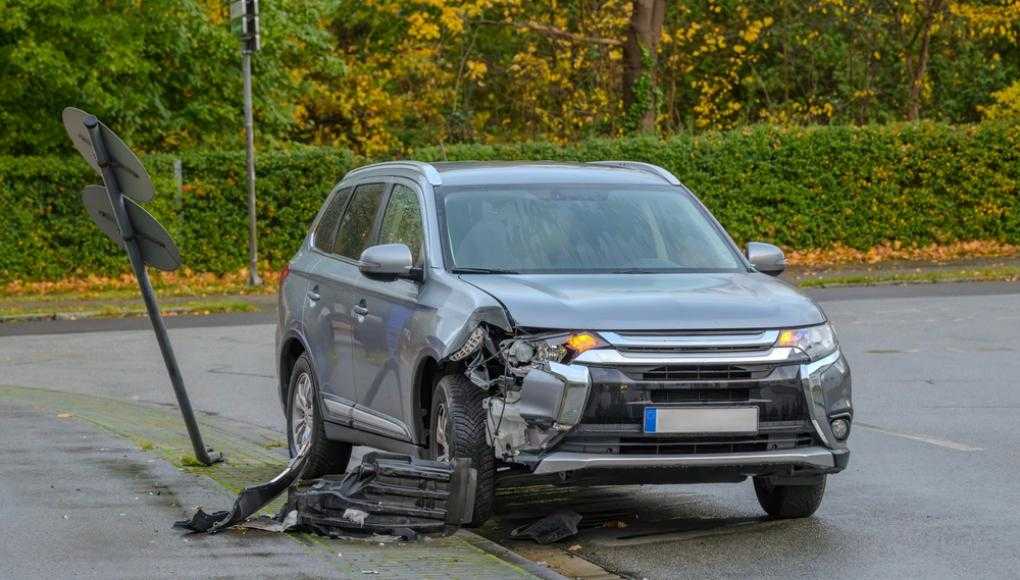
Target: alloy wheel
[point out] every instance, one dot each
(442, 451)
(302, 414)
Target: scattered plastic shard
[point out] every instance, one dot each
(269, 524)
(201, 521)
(354, 516)
(552, 528)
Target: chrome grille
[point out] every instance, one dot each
(696, 373)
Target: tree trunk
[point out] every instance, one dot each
(639, 57)
(919, 64)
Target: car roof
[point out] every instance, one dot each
(466, 173)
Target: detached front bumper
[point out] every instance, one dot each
(604, 436)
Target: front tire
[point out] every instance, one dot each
(305, 425)
(789, 501)
(457, 430)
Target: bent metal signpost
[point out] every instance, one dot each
(115, 209)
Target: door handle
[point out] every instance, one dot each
(313, 293)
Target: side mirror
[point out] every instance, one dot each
(389, 261)
(766, 258)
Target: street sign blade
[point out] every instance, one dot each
(157, 248)
(97, 202)
(131, 175)
(238, 9)
(74, 123)
(239, 18)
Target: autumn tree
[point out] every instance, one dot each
(383, 77)
(640, 53)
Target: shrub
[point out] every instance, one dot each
(802, 188)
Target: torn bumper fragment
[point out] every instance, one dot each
(386, 494)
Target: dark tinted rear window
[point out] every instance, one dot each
(356, 225)
(325, 231)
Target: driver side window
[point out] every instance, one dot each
(402, 222)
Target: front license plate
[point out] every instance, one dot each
(727, 420)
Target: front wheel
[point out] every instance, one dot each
(457, 430)
(789, 501)
(305, 431)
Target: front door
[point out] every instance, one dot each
(383, 356)
(333, 289)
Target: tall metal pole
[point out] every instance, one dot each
(134, 253)
(249, 129)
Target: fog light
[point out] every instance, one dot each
(840, 429)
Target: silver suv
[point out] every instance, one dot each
(562, 323)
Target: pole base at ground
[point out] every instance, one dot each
(214, 457)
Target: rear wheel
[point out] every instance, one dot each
(789, 501)
(457, 430)
(305, 425)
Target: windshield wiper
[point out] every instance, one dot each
(482, 271)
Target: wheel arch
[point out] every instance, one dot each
(428, 371)
(291, 349)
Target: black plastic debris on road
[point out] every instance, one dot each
(386, 494)
(550, 529)
(250, 500)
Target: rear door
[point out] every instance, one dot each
(331, 302)
(316, 313)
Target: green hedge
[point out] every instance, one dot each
(801, 188)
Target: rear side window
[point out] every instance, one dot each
(356, 226)
(325, 231)
(402, 221)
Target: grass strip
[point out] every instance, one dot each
(991, 274)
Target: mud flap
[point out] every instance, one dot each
(388, 494)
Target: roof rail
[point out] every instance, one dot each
(638, 165)
(425, 169)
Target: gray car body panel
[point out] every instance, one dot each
(688, 301)
(368, 367)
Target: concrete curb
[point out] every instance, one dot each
(509, 555)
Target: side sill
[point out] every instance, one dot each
(337, 432)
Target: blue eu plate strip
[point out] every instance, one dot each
(650, 419)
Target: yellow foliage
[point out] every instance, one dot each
(1007, 103)
(428, 72)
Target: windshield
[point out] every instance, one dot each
(564, 229)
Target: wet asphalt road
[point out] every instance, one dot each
(77, 501)
(931, 489)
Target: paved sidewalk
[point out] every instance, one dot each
(81, 497)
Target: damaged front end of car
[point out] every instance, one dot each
(574, 406)
(535, 396)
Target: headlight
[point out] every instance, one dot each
(814, 341)
(551, 348)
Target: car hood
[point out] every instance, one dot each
(710, 301)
